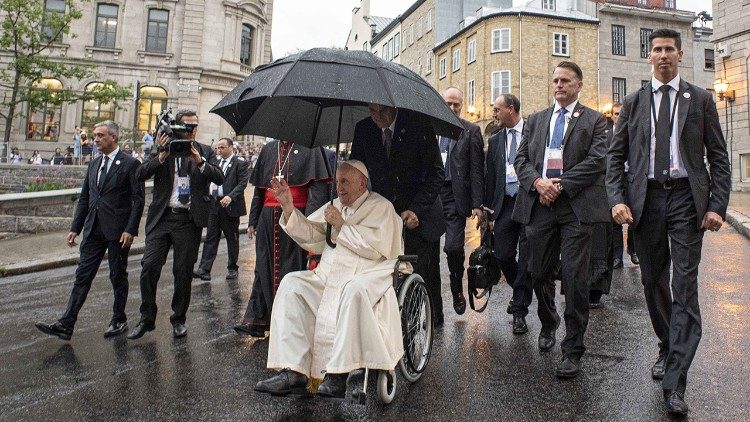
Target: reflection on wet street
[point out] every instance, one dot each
(478, 369)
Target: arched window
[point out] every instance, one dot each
(43, 122)
(153, 100)
(95, 111)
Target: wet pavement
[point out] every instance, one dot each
(479, 370)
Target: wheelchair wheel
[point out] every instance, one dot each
(416, 324)
(386, 386)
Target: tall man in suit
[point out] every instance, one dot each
(227, 207)
(500, 194)
(670, 198)
(176, 217)
(109, 211)
(402, 157)
(560, 166)
(461, 192)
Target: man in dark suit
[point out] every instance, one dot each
(109, 211)
(670, 198)
(560, 166)
(402, 157)
(461, 192)
(500, 195)
(177, 214)
(227, 207)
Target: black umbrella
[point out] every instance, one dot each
(316, 97)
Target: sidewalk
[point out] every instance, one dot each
(738, 214)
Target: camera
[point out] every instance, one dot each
(176, 133)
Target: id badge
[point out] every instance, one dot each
(553, 163)
(444, 155)
(183, 185)
(510, 174)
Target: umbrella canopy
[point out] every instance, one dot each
(316, 97)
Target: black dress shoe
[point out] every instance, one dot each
(55, 329)
(519, 325)
(634, 258)
(334, 385)
(617, 263)
(232, 275)
(283, 383)
(675, 403)
(546, 339)
(115, 329)
(140, 330)
(250, 329)
(202, 274)
(568, 368)
(657, 371)
(438, 320)
(459, 303)
(595, 298)
(179, 329)
(510, 307)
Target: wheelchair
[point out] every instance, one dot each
(415, 309)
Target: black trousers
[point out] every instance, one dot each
(510, 241)
(220, 222)
(428, 265)
(175, 231)
(602, 258)
(455, 237)
(668, 231)
(556, 231)
(92, 253)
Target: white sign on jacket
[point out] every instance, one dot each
(344, 314)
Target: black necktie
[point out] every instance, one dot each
(223, 161)
(184, 198)
(662, 133)
(103, 173)
(387, 140)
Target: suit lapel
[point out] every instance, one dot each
(111, 179)
(577, 111)
(684, 96)
(93, 176)
(545, 137)
(644, 110)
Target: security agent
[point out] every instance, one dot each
(177, 214)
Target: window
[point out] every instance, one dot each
(471, 54)
(456, 63)
(560, 44)
(745, 167)
(396, 44)
(106, 25)
(44, 121)
(645, 48)
(548, 4)
(411, 34)
(500, 83)
(643, 2)
(429, 20)
(420, 24)
(151, 102)
(669, 4)
(246, 45)
(385, 51)
(365, 46)
(470, 93)
(419, 66)
(156, 33)
(95, 111)
(53, 29)
(618, 90)
(442, 67)
(708, 55)
(500, 40)
(618, 40)
(430, 60)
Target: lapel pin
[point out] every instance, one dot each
(117, 163)
(403, 131)
(576, 114)
(686, 95)
(296, 151)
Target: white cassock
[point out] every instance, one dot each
(344, 314)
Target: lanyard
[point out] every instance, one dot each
(674, 110)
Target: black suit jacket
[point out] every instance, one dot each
(585, 146)
(413, 174)
(699, 134)
(163, 174)
(235, 182)
(494, 192)
(467, 169)
(118, 206)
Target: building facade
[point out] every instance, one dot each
(732, 38)
(364, 27)
(174, 53)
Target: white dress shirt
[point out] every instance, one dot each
(509, 138)
(220, 188)
(569, 115)
(111, 156)
(677, 170)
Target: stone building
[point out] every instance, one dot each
(364, 27)
(174, 53)
(515, 51)
(732, 38)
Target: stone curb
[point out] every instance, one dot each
(740, 222)
(56, 262)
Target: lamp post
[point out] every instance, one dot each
(721, 86)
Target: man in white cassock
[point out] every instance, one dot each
(344, 314)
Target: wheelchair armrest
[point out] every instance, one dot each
(408, 258)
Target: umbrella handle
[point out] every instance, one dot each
(328, 236)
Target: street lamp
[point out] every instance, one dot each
(721, 87)
(473, 111)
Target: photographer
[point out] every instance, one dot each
(177, 214)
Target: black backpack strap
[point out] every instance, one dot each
(472, 293)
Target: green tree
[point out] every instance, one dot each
(31, 30)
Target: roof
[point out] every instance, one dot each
(379, 21)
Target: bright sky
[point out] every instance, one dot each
(303, 24)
